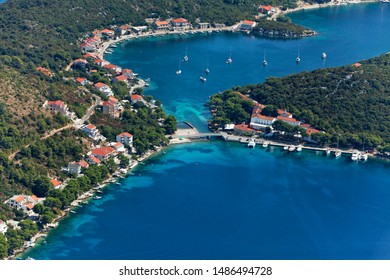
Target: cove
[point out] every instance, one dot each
(217, 200)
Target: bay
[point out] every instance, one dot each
(217, 200)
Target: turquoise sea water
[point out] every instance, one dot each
(217, 200)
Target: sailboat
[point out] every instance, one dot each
(178, 72)
(229, 60)
(185, 58)
(298, 59)
(203, 78)
(265, 63)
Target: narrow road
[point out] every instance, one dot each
(70, 125)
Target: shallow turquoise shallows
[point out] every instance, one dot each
(218, 200)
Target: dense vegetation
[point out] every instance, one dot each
(351, 103)
(280, 28)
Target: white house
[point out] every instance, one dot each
(24, 202)
(259, 121)
(3, 227)
(247, 25)
(289, 120)
(91, 130)
(161, 25)
(57, 106)
(104, 88)
(125, 138)
(180, 24)
(75, 167)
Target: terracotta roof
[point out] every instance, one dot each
(80, 61)
(29, 205)
(100, 85)
(124, 27)
(127, 71)
(35, 198)
(89, 55)
(310, 131)
(136, 97)
(125, 134)
(243, 127)
(110, 66)
(262, 117)
(55, 183)
(357, 64)
(19, 199)
(267, 8)
(280, 112)
(91, 126)
(285, 119)
(248, 22)
(118, 144)
(112, 99)
(103, 151)
(80, 80)
(94, 159)
(99, 60)
(159, 23)
(107, 31)
(83, 163)
(179, 20)
(58, 103)
(121, 78)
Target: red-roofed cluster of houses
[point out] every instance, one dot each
(102, 153)
(23, 202)
(260, 122)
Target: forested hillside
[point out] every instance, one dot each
(350, 103)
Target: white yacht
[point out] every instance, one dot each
(178, 72)
(323, 55)
(299, 148)
(298, 59)
(291, 148)
(363, 156)
(327, 152)
(337, 154)
(265, 144)
(285, 148)
(203, 78)
(355, 156)
(185, 58)
(229, 60)
(251, 143)
(265, 63)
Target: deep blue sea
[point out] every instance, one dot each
(217, 200)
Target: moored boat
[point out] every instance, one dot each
(251, 143)
(291, 148)
(337, 154)
(355, 156)
(299, 148)
(265, 144)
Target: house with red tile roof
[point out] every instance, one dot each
(112, 67)
(124, 29)
(57, 106)
(45, 71)
(137, 98)
(267, 10)
(103, 153)
(112, 107)
(75, 167)
(93, 160)
(290, 121)
(180, 24)
(103, 88)
(56, 184)
(80, 63)
(284, 113)
(118, 146)
(161, 25)
(24, 202)
(129, 73)
(125, 138)
(247, 25)
(90, 130)
(260, 122)
(83, 81)
(120, 78)
(101, 62)
(244, 129)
